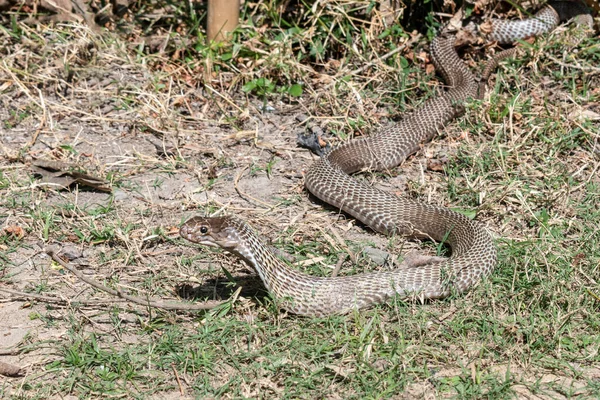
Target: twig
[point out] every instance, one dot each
(338, 266)
(593, 70)
(246, 196)
(231, 103)
(150, 302)
(181, 391)
(594, 295)
(343, 244)
(42, 121)
(18, 295)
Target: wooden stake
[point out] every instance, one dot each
(223, 16)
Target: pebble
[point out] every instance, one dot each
(379, 257)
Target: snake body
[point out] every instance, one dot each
(546, 19)
(473, 251)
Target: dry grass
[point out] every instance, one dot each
(178, 132)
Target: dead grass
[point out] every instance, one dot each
(525, 160)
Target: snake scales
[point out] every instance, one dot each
(473, 251)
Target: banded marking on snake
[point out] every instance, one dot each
(473, 251)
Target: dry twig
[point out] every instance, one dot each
(149, 302)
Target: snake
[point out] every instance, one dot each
(473, 253)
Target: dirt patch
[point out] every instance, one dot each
(171, 150)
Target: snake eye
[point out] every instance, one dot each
(204, 229)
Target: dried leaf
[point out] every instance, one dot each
(15, 231)
(58, 6)
(64, 175)
(582, 114)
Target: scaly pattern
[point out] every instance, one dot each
(546, 19)
(473, 252)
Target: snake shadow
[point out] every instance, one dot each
(221, 288)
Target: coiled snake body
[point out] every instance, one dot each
(473, 251)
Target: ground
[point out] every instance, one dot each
(523, 161)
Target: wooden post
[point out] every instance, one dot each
(223, 16)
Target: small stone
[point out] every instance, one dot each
(120, 195)
(379, 257)
(71, 252)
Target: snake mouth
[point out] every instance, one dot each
(194, 239)
(189, 233)
(192, 235)
(208, 243)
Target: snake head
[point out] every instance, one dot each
(210, 231)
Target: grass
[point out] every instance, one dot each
(177, 129)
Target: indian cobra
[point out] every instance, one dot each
(473, 251)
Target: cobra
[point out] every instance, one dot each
(473, 251)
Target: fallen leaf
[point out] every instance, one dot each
(63, 175)
(15, 231)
